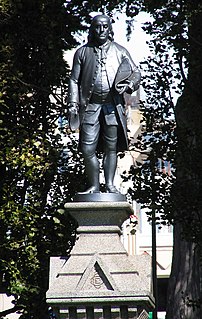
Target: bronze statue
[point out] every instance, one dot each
(102, 71)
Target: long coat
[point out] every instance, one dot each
(83, 76)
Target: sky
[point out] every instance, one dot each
(137, 45)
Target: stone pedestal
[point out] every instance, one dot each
(99, 279)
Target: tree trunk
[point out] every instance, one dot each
(184, 285)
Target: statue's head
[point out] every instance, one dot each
(100, 30)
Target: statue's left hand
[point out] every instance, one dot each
(122, 88)
(128, 87)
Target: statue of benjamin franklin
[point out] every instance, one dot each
(102, 71)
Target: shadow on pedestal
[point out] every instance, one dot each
(100, 197)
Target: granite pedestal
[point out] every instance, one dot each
(99, 279)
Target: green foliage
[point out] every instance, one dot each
(173, 133)
(32, 225)
(152, 183)
(173, 68)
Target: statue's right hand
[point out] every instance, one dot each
(73, 108)
(73, 116)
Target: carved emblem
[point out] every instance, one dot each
(96, 280)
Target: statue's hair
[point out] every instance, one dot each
(111, 32)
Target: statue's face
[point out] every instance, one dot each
(101, 29)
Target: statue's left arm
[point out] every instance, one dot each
(128, 76)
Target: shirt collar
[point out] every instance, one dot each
(104, 46)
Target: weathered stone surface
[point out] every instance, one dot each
(96, 214)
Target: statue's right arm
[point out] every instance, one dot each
(73, 89)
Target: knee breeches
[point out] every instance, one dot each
(90, 135)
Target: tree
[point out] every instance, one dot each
(176, 28)
(33, 37)
(185, 287)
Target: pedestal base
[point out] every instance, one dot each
(99, 280)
